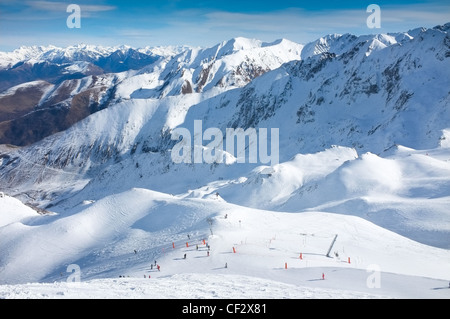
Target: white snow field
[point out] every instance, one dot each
(108, 248)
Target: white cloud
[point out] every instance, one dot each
(295, 24)
(62, 6)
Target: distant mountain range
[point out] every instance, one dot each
(47, 89)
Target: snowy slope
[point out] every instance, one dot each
(163, 228)
(406, 192)
(14, 211)
(360, 158)
(201, 286)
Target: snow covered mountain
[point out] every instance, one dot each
(363, 125)
(61, 86)
(58, 87)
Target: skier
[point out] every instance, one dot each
(159, 268)
(184, 256)
(226, 265)
(323, 276)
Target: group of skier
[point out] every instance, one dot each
(158, 267)
(207, 252)
(197, 247)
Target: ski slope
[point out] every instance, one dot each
(122, 235)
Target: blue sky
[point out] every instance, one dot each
(203, 23)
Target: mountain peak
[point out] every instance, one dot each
(237, 44)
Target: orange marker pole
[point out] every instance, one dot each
(173, 245)
(234, 250)
(349, 260)
(285, 265)
(187, 244)
(301, 256)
